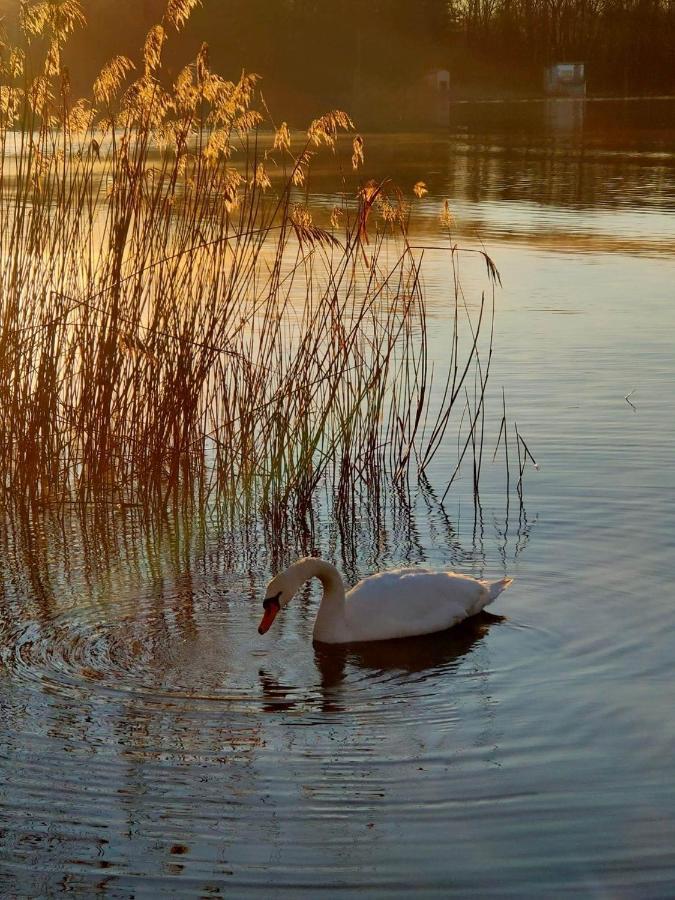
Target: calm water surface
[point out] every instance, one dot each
(151, 743)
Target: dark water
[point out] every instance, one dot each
(152, 744)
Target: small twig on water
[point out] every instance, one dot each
(628, 400)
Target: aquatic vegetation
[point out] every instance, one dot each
(178, 320)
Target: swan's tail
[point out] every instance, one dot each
(493, 589)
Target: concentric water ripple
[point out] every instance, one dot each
(207, 659)
(121, 725)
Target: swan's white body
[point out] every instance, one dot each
(395, 604)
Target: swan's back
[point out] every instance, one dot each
(408, 602)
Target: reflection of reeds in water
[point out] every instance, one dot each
(173, 323)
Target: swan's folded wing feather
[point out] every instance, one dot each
(407, 602)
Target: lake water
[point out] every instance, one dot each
(152, 743)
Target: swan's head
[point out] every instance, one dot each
(279, 594)
(283, 587)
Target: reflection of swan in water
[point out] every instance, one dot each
(424, 657)
(401, 603)
(278, 696)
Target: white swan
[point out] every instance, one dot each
(395, 604)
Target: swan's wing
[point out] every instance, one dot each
(407, 602)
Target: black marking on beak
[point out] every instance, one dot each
(268, 601)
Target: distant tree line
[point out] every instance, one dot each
(362, 53)
(333, 45)
(628, 45)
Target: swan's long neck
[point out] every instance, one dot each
(331, 615)
(330, 578)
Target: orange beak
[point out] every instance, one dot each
(272, 607)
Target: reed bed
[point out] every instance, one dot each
(176, 322)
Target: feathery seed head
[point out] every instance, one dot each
(261, 179)
(58, 18)
(11, 100)
(282, 138)
(16, 62)
(324, 130)
(179, 11)
(80, 118)
(110, 78)
(247, 121)
(152, 49)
